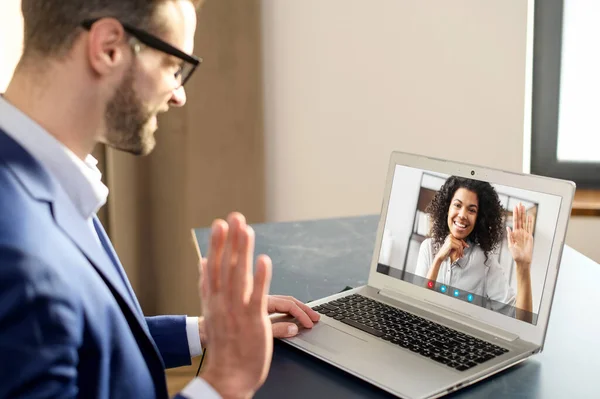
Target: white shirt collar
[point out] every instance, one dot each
(80, 180)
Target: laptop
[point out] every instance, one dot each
(430, 320)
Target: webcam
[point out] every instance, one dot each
(472, 173)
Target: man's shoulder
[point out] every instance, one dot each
(19, 168)
(28, 234)
(26, 188)
(21, 215)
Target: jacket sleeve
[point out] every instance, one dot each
(169, 334)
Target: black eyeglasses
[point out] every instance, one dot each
(189, 62)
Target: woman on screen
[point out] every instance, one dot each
(466, 217)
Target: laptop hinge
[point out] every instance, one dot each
(431, 307)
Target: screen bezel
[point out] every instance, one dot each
(564, 189)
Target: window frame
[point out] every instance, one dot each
(547, 47)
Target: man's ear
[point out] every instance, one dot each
(107, 42)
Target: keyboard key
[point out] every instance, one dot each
(425, 352)
(362, 327)
(440, 359)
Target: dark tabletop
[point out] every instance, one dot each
(314, 259)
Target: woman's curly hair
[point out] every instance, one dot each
(488, 230)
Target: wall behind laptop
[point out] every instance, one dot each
(348, 81)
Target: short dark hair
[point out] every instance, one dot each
(51, 26)
(489, 226)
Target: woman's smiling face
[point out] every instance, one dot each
(462, 214)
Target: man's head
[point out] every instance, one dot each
(123, 55)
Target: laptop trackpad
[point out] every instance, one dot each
(329, 338)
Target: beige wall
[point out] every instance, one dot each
(11, 38)
(582, 236)
(348, 81)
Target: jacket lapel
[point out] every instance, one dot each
(109, 249)
(81, 233)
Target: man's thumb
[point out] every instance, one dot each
(284, 330)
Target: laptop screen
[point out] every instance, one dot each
(472, 240)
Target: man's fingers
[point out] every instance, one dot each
(280, 305)
(249, 271)
(262, 282)
(203, 284)
(215, 253)
(236, 224)
(284, 330)
(240, 284)
(314, 316)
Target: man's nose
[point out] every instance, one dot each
(178, 97)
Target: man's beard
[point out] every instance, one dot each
(128, 122)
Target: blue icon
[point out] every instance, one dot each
(443, 288)
(456, 293)
(470, 297)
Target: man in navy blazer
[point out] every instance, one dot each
(70, 324)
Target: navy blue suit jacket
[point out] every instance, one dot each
(70, 324)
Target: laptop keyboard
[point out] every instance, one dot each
(435, 341)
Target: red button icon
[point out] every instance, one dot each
(430, 284)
